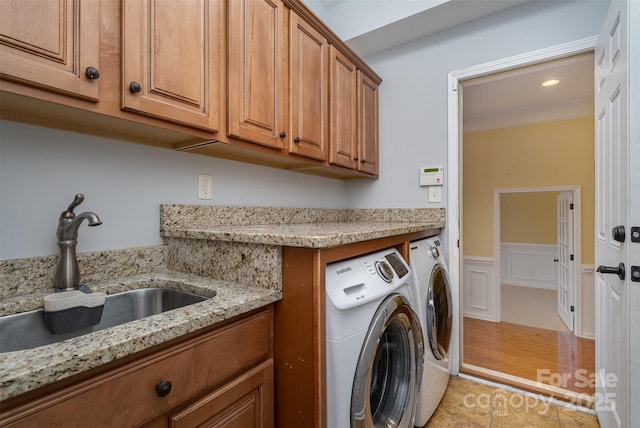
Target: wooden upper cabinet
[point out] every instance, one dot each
(367, 124)
(170, 60)
(258, 75)
(343, 110)
(309, 67)
(50, 44)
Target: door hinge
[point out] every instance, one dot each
(570, 206)
(571, 257)
(458, 243)
(573, 308)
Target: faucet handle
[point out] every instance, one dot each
(76, 201)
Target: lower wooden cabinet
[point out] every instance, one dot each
(247, 401)
(221, 378)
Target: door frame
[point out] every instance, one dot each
(577, 247)
(454, 159)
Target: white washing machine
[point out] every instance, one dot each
(432, 296)
(374, 343)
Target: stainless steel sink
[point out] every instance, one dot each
(28, 330)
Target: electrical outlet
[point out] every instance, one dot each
(205, 184)
(435, 194)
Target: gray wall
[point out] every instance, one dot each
(413, 95)
(41, 169)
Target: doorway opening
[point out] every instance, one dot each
(538, 240)
(570, 345)
(529, 340)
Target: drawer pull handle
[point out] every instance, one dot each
(163, 388)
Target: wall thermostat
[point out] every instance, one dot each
(433, 176)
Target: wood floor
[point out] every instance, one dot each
(555, 358)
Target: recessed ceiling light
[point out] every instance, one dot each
(551, 82)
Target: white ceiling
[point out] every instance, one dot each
(352, 19)
(516, 97)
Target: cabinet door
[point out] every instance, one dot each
(258, 76)
(50, 44)
(309, 90)
(367, 125)
(343, 110)
(245, 402)
(170, 53)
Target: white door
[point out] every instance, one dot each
(564, 259)
(616, 205)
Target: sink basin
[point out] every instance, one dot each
(28, 330)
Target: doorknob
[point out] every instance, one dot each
(618, 270)
(618, 233)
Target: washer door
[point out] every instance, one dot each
(389, 369)
(439, 312)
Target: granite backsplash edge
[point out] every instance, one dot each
(253, 264)
(173, 216)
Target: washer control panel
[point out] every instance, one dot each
(397, 264)
(355, 281)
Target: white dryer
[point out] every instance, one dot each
(432, 295)
(374, 343)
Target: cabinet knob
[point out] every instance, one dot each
(355, 159)
(296, 140)
(163, 388)
(135, 87)
(92, 73)
(283, 134)
(363, 161)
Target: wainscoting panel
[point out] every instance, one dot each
(528, 265)
(587, 328)
(479, 296)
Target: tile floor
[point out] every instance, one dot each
(470, 404)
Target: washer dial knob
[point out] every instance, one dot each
(435, 252)
(384, 270)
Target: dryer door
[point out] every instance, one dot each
(439, 312)
(389, 368)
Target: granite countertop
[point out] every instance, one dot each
(309, 235)
(23, 371)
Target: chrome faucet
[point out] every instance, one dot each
(67, 272)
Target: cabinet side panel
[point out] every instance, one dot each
(298, 351)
